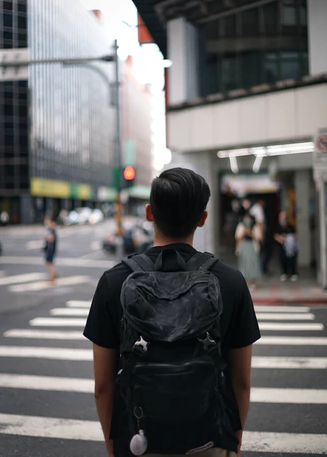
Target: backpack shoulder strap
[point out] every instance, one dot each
(139, 262)
(201, 260)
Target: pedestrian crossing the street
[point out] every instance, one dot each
(54, 338)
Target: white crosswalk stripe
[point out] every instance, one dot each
(46, 353)
(47, 427)
(57, 322)
(285, 317)
(69, 312)
(292, 341)
(78, 304)
(295, 327)
(288, 443)
(44, 334)
(42, 285)
(284, 321)
(258, 395)
(281, 309)
(23, 278)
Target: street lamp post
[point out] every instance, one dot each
(5, 63)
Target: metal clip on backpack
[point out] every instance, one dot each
(171, 372)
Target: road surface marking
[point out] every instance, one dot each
(293, 396)
(44, 334)
(46, 383)
(258, 395)
(293, 340)
(284, 443)
(312, 363)
(96, 245)
(57, 322)
(78, 304)
(48, 427)
(69, 312)
(281, 309)
(27, 277)
(67, 262)
(46, 353)
(35, 244)
(42, 285)
(293, 327)
(285, 317)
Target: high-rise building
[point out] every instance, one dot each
(57, 123)
(246, 99)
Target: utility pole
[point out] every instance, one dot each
(119, 207)
(18, 61)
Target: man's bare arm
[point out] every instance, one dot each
(239, 363)
(105, 371)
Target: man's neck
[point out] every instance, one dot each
(164, 241)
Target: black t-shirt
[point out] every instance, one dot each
(238, 325)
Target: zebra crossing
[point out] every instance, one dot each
(36, 282)
(49, 356)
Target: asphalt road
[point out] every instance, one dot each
(46, 388)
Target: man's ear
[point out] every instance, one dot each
(148, 213)
(203, 219)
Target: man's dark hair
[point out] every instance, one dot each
(178, 199)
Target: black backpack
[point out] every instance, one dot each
(171, 373)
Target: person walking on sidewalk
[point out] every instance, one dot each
(248, 237)
(155, 392)
(50, 247)
(288, 248)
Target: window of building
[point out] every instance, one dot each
(289, 13)
(290, 65)
(7, 20)
(7, 5)
(250, 22)
(270, 18)
(227, 26)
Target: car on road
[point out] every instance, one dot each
(138, 238)
(96, 217)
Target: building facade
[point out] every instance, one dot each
(137, 122)
(57, 123)
(246, 100)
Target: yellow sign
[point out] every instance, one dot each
(49, 188)
(84, 192)
(60, 189)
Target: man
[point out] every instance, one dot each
(177, 207)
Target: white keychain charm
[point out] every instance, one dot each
(138, 444)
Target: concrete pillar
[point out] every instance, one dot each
(302, 187)
(183, 52)
(317, 36)
(26, 210)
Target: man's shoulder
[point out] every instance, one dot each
(117, 274)
(228, 275)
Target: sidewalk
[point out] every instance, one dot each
(306, 291)
(271, 291)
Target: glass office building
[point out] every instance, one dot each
(260, 45)
(57, 128)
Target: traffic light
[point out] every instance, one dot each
(129, 176)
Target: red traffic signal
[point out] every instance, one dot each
(129, 173)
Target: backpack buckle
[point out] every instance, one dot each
(209, 344)
(141, 346)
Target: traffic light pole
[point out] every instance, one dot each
(118, 142)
